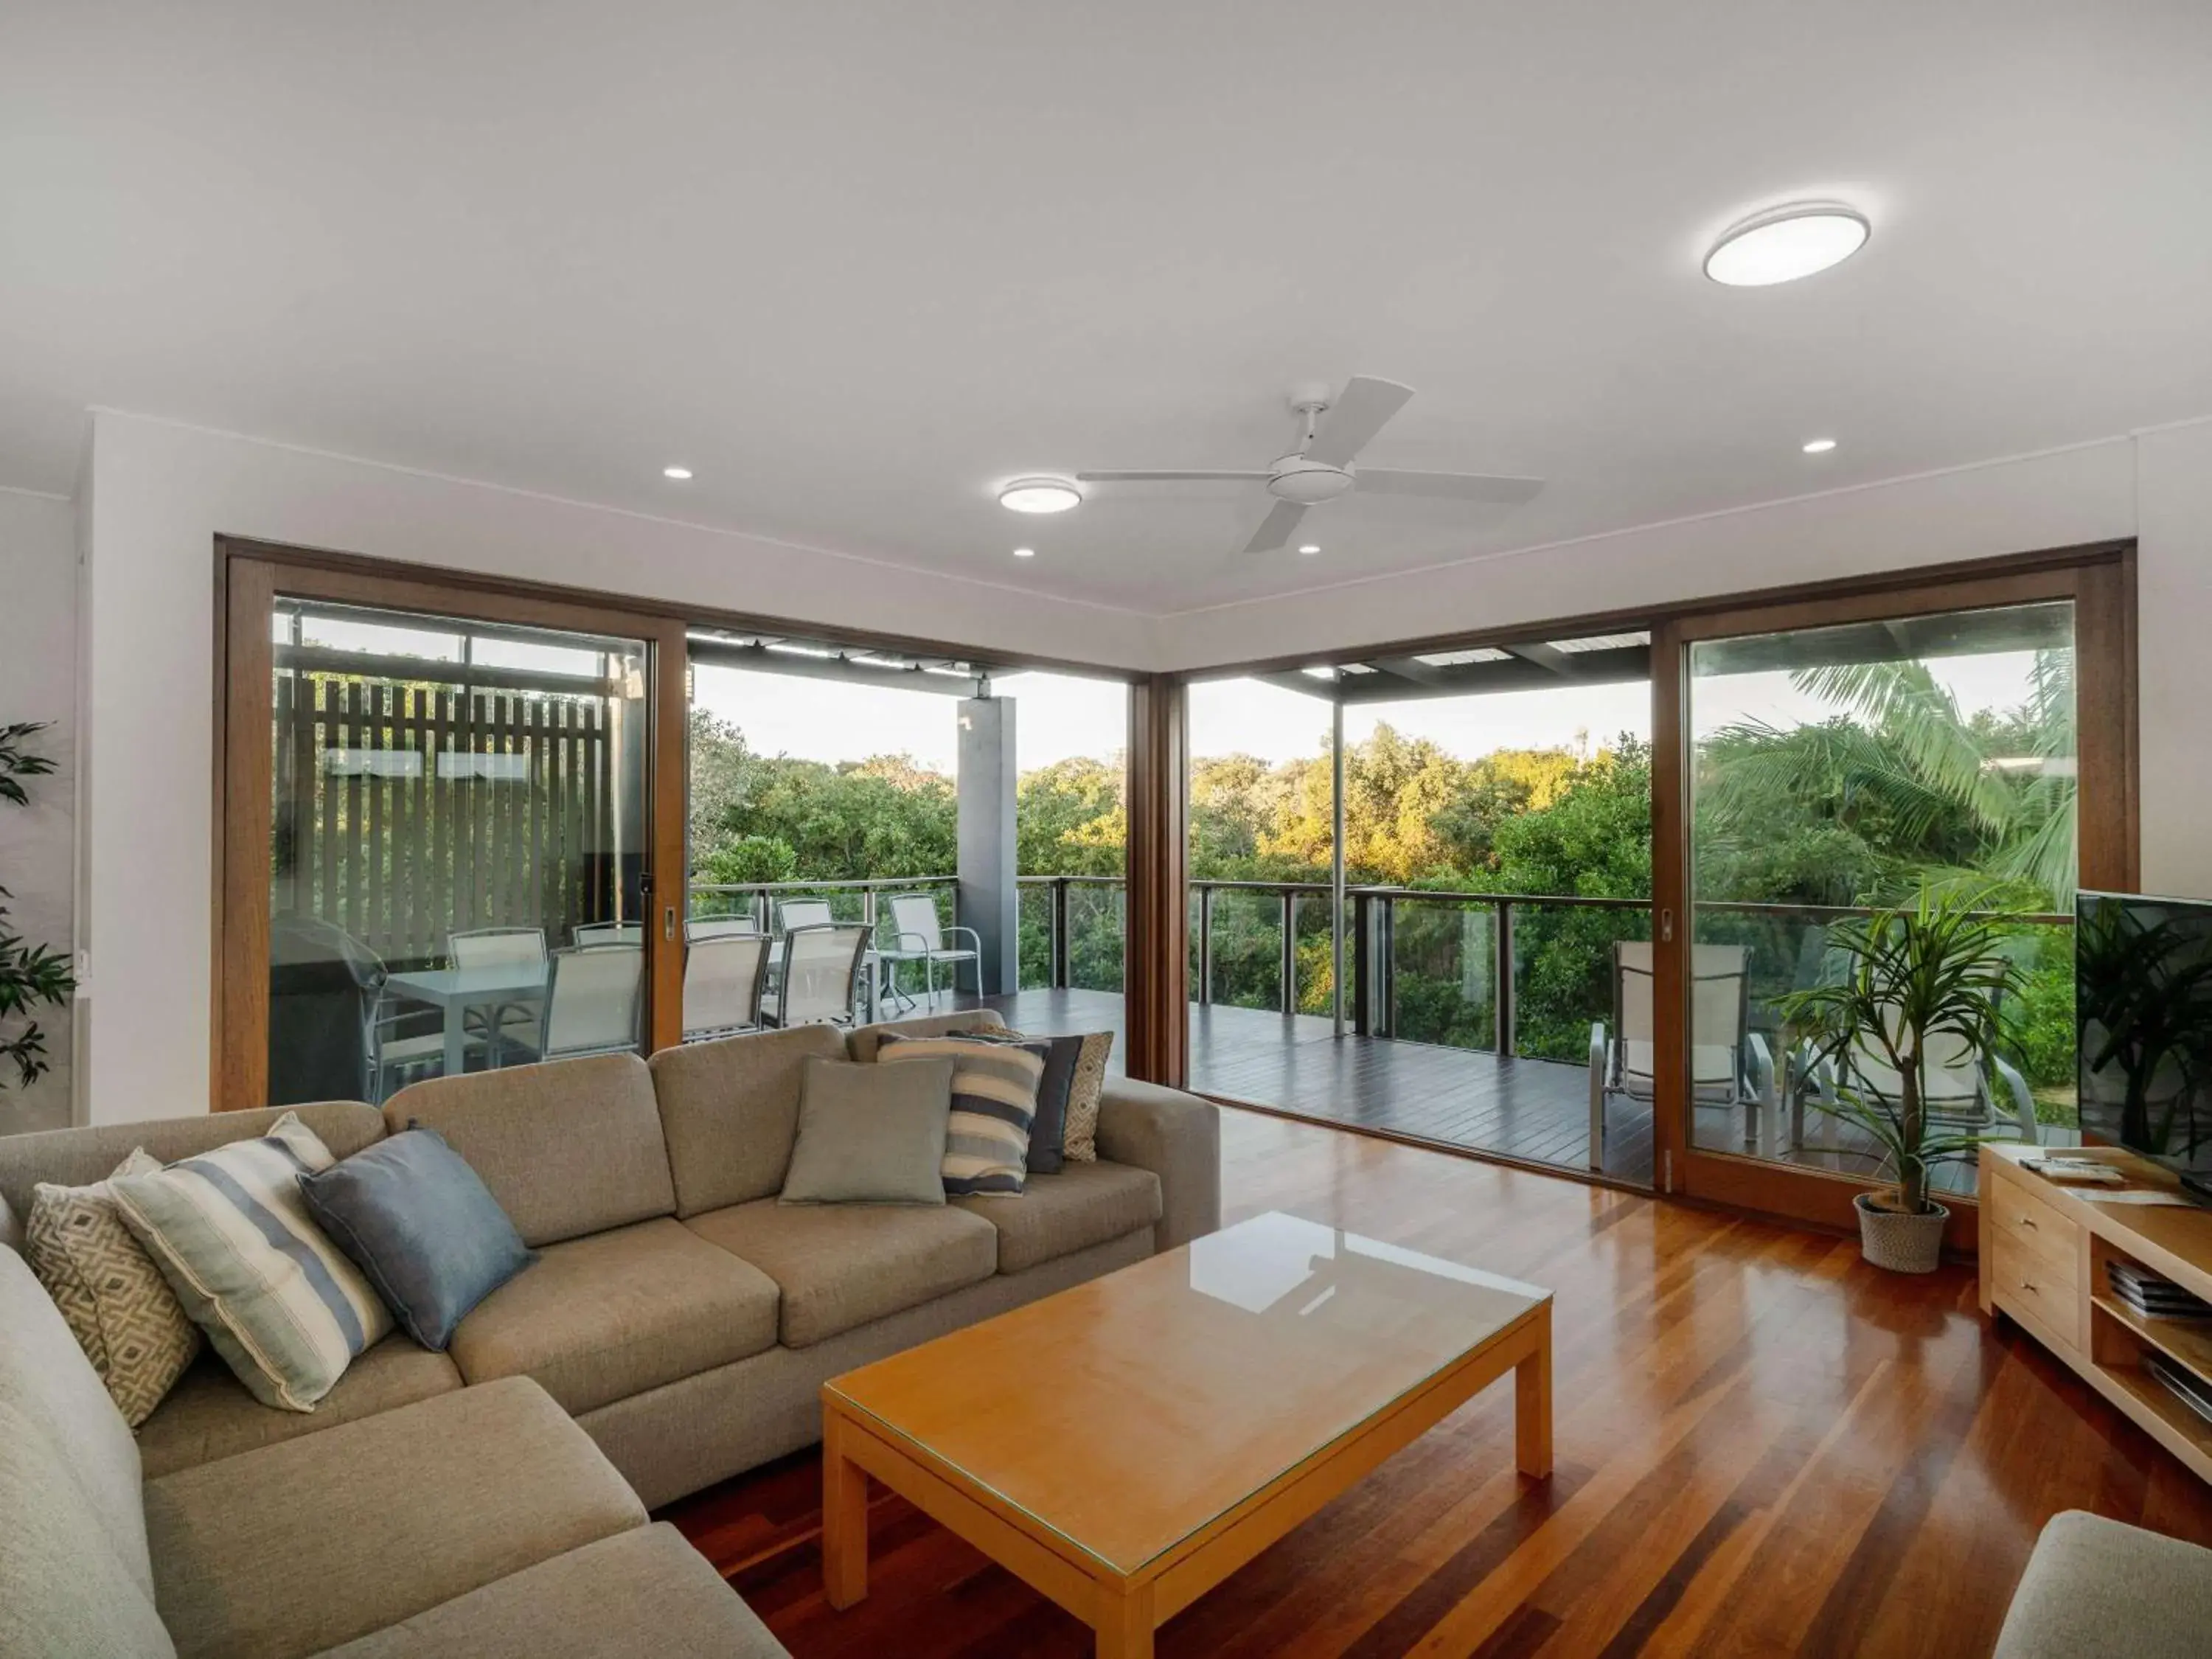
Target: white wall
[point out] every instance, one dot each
(158, 494)
(2173, 639)
(37, 843)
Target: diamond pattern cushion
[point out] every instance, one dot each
(119, 1307)
(1083, 1096)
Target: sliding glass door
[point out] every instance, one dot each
(440, 836)
(1964, 746)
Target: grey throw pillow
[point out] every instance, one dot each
(422, 1228)
(870, 1134)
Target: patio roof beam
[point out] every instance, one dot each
(762, 658)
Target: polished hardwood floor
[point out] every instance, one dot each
(1763, 1446)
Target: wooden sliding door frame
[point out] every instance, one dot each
(250, 577)
(1156, 980)
(2100, 584)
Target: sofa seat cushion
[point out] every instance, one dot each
(209, 1414)
(842, 1265)
(599, 1319)
(642, 1593)
(2098, 1589)
(297, 1547)
(1057, 1215)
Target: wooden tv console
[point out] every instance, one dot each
(2044, 1246)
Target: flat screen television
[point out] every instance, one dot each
(2142, 1015)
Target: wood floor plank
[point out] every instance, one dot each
(1763, 1446)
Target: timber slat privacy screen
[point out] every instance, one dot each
(409, 809)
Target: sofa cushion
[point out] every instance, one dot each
(862, 1044)
(870, 1134)
(412, 1215)
(231, 1233)
(77, 1158)
(55, 1395)
(2096, 1589)
(1057, 1215)
(64, 1587)
(842, 1265)
(119, 1306)
(208, 1415)
(299, 1547)
(601, 1318)
(730, 1110)
(569, 1147)
(645, 1592)
(994, 1089)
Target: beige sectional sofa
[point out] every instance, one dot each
(675, 1331)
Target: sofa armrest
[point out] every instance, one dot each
(2097, 1589)
(1177, 1137)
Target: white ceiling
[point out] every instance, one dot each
(856, 264)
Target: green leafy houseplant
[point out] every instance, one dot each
(31, 975)
(1934, 970)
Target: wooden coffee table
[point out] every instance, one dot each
(1126, 1445)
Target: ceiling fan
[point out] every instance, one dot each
(1320, 468)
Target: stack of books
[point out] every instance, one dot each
(2153, 1295)
(2082, 1171)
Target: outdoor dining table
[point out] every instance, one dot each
(456, 990)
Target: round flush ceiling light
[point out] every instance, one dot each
(1311, 547)
(1025, 552)
(1786, 243)
(681, 474)
(1819, 445)
(1040, 495)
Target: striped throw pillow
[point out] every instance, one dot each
(231, 1233)
(994, 1090)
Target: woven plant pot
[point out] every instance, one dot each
(1902, 1243)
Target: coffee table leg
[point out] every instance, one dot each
(844, 1519)
(1532, 1404)
(1125, 1624)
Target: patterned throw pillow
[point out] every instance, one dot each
(994, 1087)
(230, 1233)
(119, 1307)
(1083, 1098)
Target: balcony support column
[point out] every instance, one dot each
(1336, 867)
(989, 900)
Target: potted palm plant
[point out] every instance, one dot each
(30, 974)
(1928, 974)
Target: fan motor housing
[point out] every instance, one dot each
(1295, 478)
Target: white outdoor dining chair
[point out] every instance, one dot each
(494, 947)
(591, 1001)
(918, 936)
(724, 977)
(721, 927)
(821, 975)
(608, 932)
(1730, 1069)
(793, 914)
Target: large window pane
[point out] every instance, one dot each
(1844, 768)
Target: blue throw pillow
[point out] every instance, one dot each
(421, 1226)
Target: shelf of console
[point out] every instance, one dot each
(2044, 1248)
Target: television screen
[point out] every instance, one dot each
(2142, 1010)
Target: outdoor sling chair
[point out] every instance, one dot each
(920, 937)
(1731, 1070)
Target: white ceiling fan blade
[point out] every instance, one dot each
(1275, 528)
(1166, 477)
(1450, 486)
(1355, 418)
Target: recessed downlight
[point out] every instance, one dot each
(681, 474)
(1040, 495)
(1311, 547)
(1786, 243)
(1819, 445)
(1025, 552)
